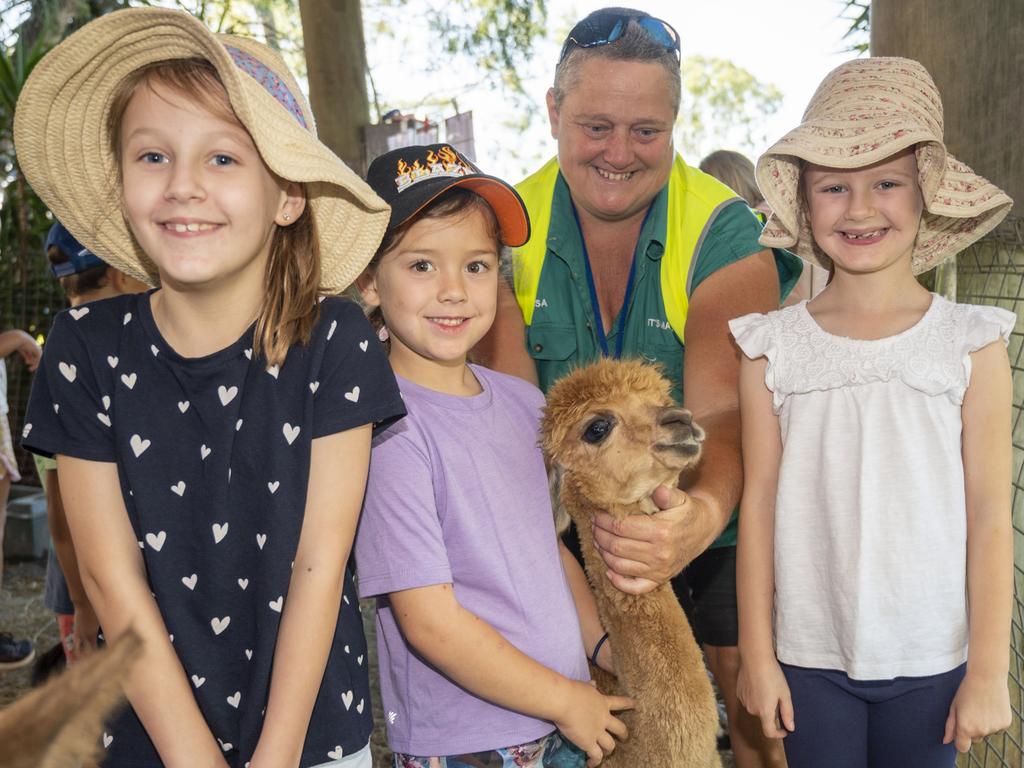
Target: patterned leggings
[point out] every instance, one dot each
(552, 751)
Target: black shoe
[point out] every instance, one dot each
(48, 664)
(14, 653)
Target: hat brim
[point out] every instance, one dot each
(508, 206)
(960, 206)
(62, 143)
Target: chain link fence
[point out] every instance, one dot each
(991, 272)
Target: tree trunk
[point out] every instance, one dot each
(975, 52)
(336, 63)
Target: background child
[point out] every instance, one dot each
(14, 653)
(85, 278)
(875, 524)
(212, 435)
(481, 654)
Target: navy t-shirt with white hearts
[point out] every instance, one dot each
(213, 455)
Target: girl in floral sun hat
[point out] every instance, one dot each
(212, 435)
(875, 544)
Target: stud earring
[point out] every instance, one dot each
(286, 216)
(383, 334)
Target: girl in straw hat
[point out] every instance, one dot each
(213, 434)
(875, 524)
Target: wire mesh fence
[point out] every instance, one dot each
(29, 299)
(991, 272)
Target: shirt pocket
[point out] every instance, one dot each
(554, 350)
(551, 342)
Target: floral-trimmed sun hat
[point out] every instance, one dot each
(863, 112)
(63, 146)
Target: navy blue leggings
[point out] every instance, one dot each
(844, 723)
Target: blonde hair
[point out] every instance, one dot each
(736, 172)
(290, 307)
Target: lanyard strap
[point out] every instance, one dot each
(620, 331)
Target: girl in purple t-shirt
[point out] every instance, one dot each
(483, 618)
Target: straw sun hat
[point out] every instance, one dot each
(863, 112)
(60, 132)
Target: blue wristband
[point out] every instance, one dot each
(597, 649)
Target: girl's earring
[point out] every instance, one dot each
(286, 216)
(383, 334)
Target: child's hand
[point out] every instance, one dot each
(981, 707)
(763, 690)
(86, 627)
(588, 721)
(28, 349)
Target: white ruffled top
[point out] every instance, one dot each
(870, 519)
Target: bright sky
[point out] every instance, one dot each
(790, 43)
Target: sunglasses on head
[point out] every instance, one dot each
(604, 28)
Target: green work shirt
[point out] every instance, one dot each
(563, 336)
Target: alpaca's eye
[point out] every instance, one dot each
(597, 431)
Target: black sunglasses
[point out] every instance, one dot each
(604, 28)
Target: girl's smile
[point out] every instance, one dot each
(198, 197)
(865, 219)
(437, 289)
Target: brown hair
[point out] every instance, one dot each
(454, 203)
(290, 307)
(80, 283)
(736, 172)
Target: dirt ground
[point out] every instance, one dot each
(23, 614)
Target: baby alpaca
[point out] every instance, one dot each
(612, 435)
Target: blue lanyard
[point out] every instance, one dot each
(620, 331)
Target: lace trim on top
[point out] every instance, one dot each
(932, 356)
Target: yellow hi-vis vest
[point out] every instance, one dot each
(694, 200)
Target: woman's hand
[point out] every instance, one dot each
(762, 689)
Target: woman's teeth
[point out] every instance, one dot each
(190, 227)
(613, 176)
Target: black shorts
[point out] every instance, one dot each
(707, 591)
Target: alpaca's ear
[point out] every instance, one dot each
(562, 520)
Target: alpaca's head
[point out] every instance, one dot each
(613, 429)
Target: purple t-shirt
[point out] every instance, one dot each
(458, 494)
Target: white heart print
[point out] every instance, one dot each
(261, 539)
(79, 312)
(248, 653)
(190, 581)
(204, 452)
(179, 488)
(364, 344)
(353, 395)
(226, 394)
(332, 329)
(314, 386)
(274, 370)
(219, 625)
(290, 432)
(112, 361)
(154, 350)
(104, 418)
(243, 583)
(272, 487)
(107, 740)
(219, 532)
(183, 405)
(359, 706)
(106, 402)
(127, 318)
(129, 381)
(156, 540)
(276, 605)
(68, 371)
(234, 699)
(346, 699)
(198, 681)
(337, 753)
(138, 445)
